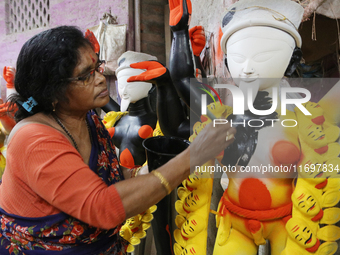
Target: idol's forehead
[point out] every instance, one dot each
(269, 34)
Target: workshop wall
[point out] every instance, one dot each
(33, 16)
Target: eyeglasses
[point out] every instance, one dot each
(88, 78)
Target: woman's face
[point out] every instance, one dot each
(95, 94)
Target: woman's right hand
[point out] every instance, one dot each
(211, 141)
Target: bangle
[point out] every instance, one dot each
(164, 181)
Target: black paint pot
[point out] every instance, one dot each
(159, 150)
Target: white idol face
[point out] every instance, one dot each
(258, 52)
(131, 92)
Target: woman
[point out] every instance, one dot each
(63, 189)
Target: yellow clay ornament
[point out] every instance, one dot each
(317, 187)
(329, 233)
(303, 234)
(193, 206)
(179, 221)
(112, 117)
(134, 228)
(330, 216)
(191, 249)
(191, 203)
(327, 248)
(192, 182)
(307, 203)
(192, 227)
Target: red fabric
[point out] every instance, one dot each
(272, 214)
(253, 226)
(45, 175)
(287, 218)
(254, 195)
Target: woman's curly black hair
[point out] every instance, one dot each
(43, 64)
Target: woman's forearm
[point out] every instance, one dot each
(140, 193)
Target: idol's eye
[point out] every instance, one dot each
(237, 58)
(262, 57)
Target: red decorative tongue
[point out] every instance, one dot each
(315, 247)
(318, 216)
(203, 118)
(319, 120)
(321, 185)
(322, 150)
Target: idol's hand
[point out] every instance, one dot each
(155, 72)
(197, 38)
(9, 75)
(180, 11)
